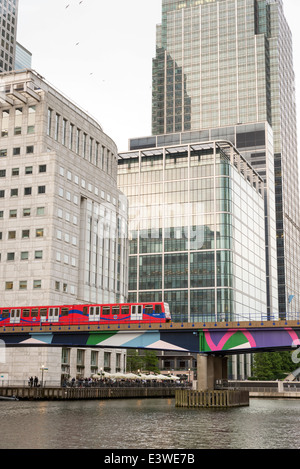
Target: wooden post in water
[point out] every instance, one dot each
(211, 399)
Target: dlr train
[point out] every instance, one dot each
(129, 313)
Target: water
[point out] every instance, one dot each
(148, 424)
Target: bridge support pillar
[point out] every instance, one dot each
(210, 369)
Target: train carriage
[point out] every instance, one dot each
(86, 314)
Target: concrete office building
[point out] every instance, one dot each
(63, 221)
(8, 34)
(220, 63)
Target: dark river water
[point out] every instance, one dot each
(148, 424)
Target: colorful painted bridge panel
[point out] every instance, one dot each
(197, 340)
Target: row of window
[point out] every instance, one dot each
(26, 212)
(11, 256)
(74, 178)
(27, 170)
(27, 191)
(17, 115)
(10, 285)
(39, 233)
(36, 284)
(78, 141)
(16, 151)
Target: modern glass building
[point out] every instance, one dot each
(197, 227)
(8, 31)
(220, 63)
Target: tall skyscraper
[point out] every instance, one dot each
(8, 31)
(227, 65)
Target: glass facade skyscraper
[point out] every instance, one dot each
(8, 30)
(223, 63)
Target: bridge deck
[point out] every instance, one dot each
(143, 327)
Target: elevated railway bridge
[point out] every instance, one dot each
(213, 342)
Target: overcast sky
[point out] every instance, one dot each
(99, 54)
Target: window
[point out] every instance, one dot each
(5, 122)
(10, 256)
(29, 149)
(57, 118)
(27, 190)
(25, 234)
(15, 172)
(2, 194)
(16, 151)
(11, 235)
(18, 121)
(2, 173)
(26, 212)
(14, 192)
(9, 285)
(3, 153)
(42, 190)
(31, 119)
(37, 284)
(24, 256)
(64, 132)
(49, 125)
(34, 312)
(57, 286)
(38, 255)
(13, 214)
(23, 285)
(115, 310)
(40, 211)
(28, 170)
(71, 133)
(105, 310)
(42, 168)
(39, 233)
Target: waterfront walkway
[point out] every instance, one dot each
(93, 392)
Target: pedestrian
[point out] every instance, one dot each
(36, 381)
(31, 381)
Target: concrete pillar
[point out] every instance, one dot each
(202, 372)
(210, 369)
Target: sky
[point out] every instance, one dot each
(99, 54)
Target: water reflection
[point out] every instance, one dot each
(148, 423)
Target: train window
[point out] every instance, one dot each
(125, 309)
(26, 313)
(15, 313)
(148, 309)
(115, 310)
(43, 312)
(5, 313)
(64, 311)
(91, 310)
(157, 309)
(85, 311)
(34, 312)
(97, 310)
(105, 310)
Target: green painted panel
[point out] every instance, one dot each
(97, 337)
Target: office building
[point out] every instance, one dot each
(197, 228)
(8, 30)
(220, 63)
(63, 220)
(23, 57)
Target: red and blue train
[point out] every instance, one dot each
(129, 313)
